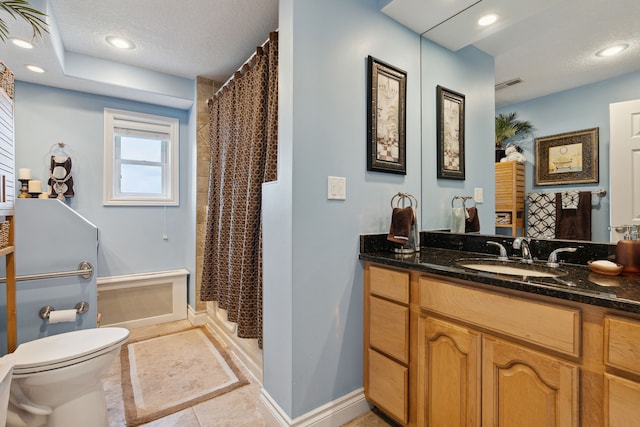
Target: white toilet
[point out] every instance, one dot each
(6, 368)
(57, 380)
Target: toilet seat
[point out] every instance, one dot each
(58, 351)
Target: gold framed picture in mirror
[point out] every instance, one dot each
(567, 158)
(386, 118)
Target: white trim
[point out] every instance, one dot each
(197, 318)
(110, 183)
(178, 280)
(335, 413)
(253, 362)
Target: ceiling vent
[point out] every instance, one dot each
(508, 83)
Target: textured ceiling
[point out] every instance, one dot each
(175, 42)
(549, 44)
(188, 38)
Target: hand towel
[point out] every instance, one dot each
(458, 217)
(401, 221)
(472, 223)
(541, 215)
(574, 224)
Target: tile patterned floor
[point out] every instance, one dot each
(238, 408)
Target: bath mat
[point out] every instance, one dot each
(166, 374)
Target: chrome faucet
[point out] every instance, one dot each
(553, 256)
(503, 252)
(522, 243)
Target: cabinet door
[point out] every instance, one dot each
(524, 388)
(448, 375)
(621, 402)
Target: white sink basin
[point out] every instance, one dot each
(513, 268)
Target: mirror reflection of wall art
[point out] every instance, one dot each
(386, 119)
(567, 158)
(450, 131)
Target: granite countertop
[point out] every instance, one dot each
(579, 283)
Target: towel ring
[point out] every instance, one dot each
(402, 198)
(464, 200)
(474, 201)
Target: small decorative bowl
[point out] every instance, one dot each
(605, 267)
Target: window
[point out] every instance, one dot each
(140, 159)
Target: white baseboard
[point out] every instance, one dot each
(253, 362)
(332, 414)
(197, 318)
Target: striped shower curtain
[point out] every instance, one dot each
(243, 138)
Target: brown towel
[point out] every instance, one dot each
(574, 224)
(401, 221)
(472, 224)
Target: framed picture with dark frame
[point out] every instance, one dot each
(450, 133)
(567, 158)
(386, 118)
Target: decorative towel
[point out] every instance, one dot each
(60, 178)
(570, 199)
(574, 224)
(541, 215)
(458, 218)
(401, 221)
(472, 223)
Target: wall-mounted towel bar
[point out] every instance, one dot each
(81, 308)
(85, 270)
(600, 193)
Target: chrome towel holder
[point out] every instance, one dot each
(400, 197)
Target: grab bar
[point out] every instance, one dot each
(85, 270)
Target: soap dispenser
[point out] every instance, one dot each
(628, 251)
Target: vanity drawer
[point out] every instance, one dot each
(622, 344)
(389, 328)
(551, 326)
(388, 386)
(390, 284)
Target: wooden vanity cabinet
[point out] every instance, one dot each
(386, 341)
(448, 352)
(467, 376)
(622, 379)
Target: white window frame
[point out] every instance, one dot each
(140, 122)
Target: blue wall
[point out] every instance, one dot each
(581, 108)
(471, 73)
(130, 237)
(313, 280)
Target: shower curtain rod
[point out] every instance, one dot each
(244, 63)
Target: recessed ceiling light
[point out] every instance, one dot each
(612, 50)
(35, 68)
(22, 43)
(120, 42)
(487, 20)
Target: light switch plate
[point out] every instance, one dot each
(478, 195)
(337, 188)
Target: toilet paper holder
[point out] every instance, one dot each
(81, 308)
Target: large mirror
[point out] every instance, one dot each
(543, 61)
